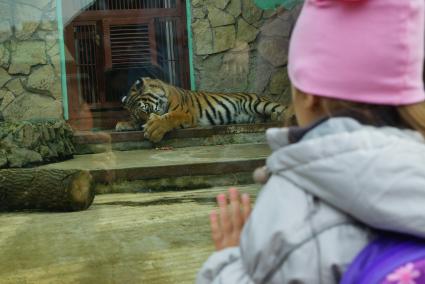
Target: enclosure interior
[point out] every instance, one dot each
(114, 43)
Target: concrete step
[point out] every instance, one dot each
(170, 168)
(155, 238)
(98, 142)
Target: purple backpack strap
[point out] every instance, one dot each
(390, 259)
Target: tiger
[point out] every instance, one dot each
(157, 108)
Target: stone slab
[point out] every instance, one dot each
(161, 163)
(87, 142)
(87, 137)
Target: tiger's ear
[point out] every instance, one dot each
(145, 80)
(162, 85)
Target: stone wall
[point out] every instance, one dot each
(239, 47)
(26, 143)
(30, 85)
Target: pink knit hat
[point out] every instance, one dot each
(369, 51)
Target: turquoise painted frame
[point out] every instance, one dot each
(61, 40)
(190, 45)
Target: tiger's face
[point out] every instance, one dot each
(145, 97)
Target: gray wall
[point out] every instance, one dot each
(30, 85)
(238, 47)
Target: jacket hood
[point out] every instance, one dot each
(376, 175)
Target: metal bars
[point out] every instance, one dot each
(167, 45)
(97, 5)
(86, 54)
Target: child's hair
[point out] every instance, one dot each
(407, 116)
(414, 116)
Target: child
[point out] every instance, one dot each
(357, 161)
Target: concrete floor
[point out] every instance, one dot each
(123, 238)
(165, 157)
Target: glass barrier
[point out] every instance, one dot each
(149, 107)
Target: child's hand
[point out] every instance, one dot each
(226, 228)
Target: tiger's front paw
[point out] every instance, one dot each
(156, 128)
(125, 126)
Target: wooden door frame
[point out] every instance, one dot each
(123, 16)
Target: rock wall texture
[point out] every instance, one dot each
(30, 86)
(27, 143)
(239, 47)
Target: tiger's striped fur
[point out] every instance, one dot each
(162, 107)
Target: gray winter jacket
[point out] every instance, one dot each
(303, 228)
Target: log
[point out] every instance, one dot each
(46, 189)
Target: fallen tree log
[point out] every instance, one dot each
(46, 189)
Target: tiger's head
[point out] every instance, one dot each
(145, 97)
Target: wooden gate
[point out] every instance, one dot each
(112, 43)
